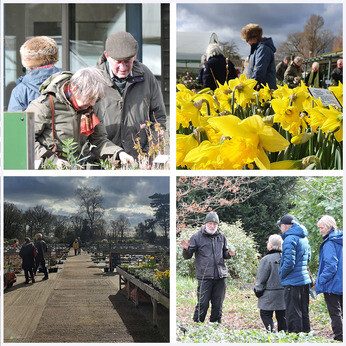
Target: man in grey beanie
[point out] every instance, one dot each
(133, 96)
(210, 248)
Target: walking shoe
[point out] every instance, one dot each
(26, 282)
(45, 278)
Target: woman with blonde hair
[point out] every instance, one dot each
(268, 288)
(330, 272)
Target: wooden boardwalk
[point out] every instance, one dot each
(79, 304)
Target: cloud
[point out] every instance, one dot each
(226, 20)
(121, 195)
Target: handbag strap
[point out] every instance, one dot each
(53, 120)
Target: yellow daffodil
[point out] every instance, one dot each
(338, 92)
(184, 144)
(265, 94)
(333, 123)
(205, 156)
(302, 138)
(295, 164)
(288, 116)
(253, 134)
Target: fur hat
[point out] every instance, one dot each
(39, 51)
(121, 46)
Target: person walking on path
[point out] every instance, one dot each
(38, 55)
(210, 248)
(41, 247)
(75, 246)
(268, 288)
(79, 245)
(27, 254)
(330, 272)
(261, 59)
(294, 275)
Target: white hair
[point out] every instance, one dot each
(315, 64)
(298, 59)
(213, 49)
(328, 221)
(88, 84)
(275, 241)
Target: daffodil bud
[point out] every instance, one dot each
(268, 120)
(302, 138)
(198, 104)
(307, 161)
(224, 113)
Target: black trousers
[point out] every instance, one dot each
(297, 308)
(28, 271)
(43, 265)
(267, 319)
(334, 305)
(213, 291)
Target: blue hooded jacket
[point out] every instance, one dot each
(296, 254)
(329, 277)
(262, 66)
(27, 88)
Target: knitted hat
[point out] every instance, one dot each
(211, 217)
(39, 51)
(287, 219)
(121, 45)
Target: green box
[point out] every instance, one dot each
(19, 139)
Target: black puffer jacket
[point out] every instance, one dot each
(210, 253)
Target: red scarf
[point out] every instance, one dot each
(88, 119)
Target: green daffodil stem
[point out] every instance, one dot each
(233, 97)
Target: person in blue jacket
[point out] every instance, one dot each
(329, 277)
(261, 66)
(38, 54)
(294, 275)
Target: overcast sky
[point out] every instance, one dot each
(196, 22)
(122, 195)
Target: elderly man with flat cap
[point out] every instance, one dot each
(133, 96)
(210, 248)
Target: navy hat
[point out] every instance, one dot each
(121, 46)
(287, 219)
(211, 217)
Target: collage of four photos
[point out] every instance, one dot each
(172, 172)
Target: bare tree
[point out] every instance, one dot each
(91, 205)
(13, 224)
(196, 196)
(123, 226)
(313, 41)
(39, 220)
(337, 43)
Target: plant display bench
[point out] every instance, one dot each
(156, 297)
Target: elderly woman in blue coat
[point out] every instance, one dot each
(268, 288)
(329, 277)
(261, 66)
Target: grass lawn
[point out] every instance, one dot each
(241, 321)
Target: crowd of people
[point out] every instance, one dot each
(102, 108)
(260, 65)
(284, 282)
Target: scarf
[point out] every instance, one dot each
(88, 119)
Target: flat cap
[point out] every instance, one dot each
(121, 45)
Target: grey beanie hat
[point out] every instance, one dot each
(121, 45)
(211, 217)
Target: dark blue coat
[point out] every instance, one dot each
(329, 277)
(217, 64)
(296, 254)
(262, 66)
(27, 88)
